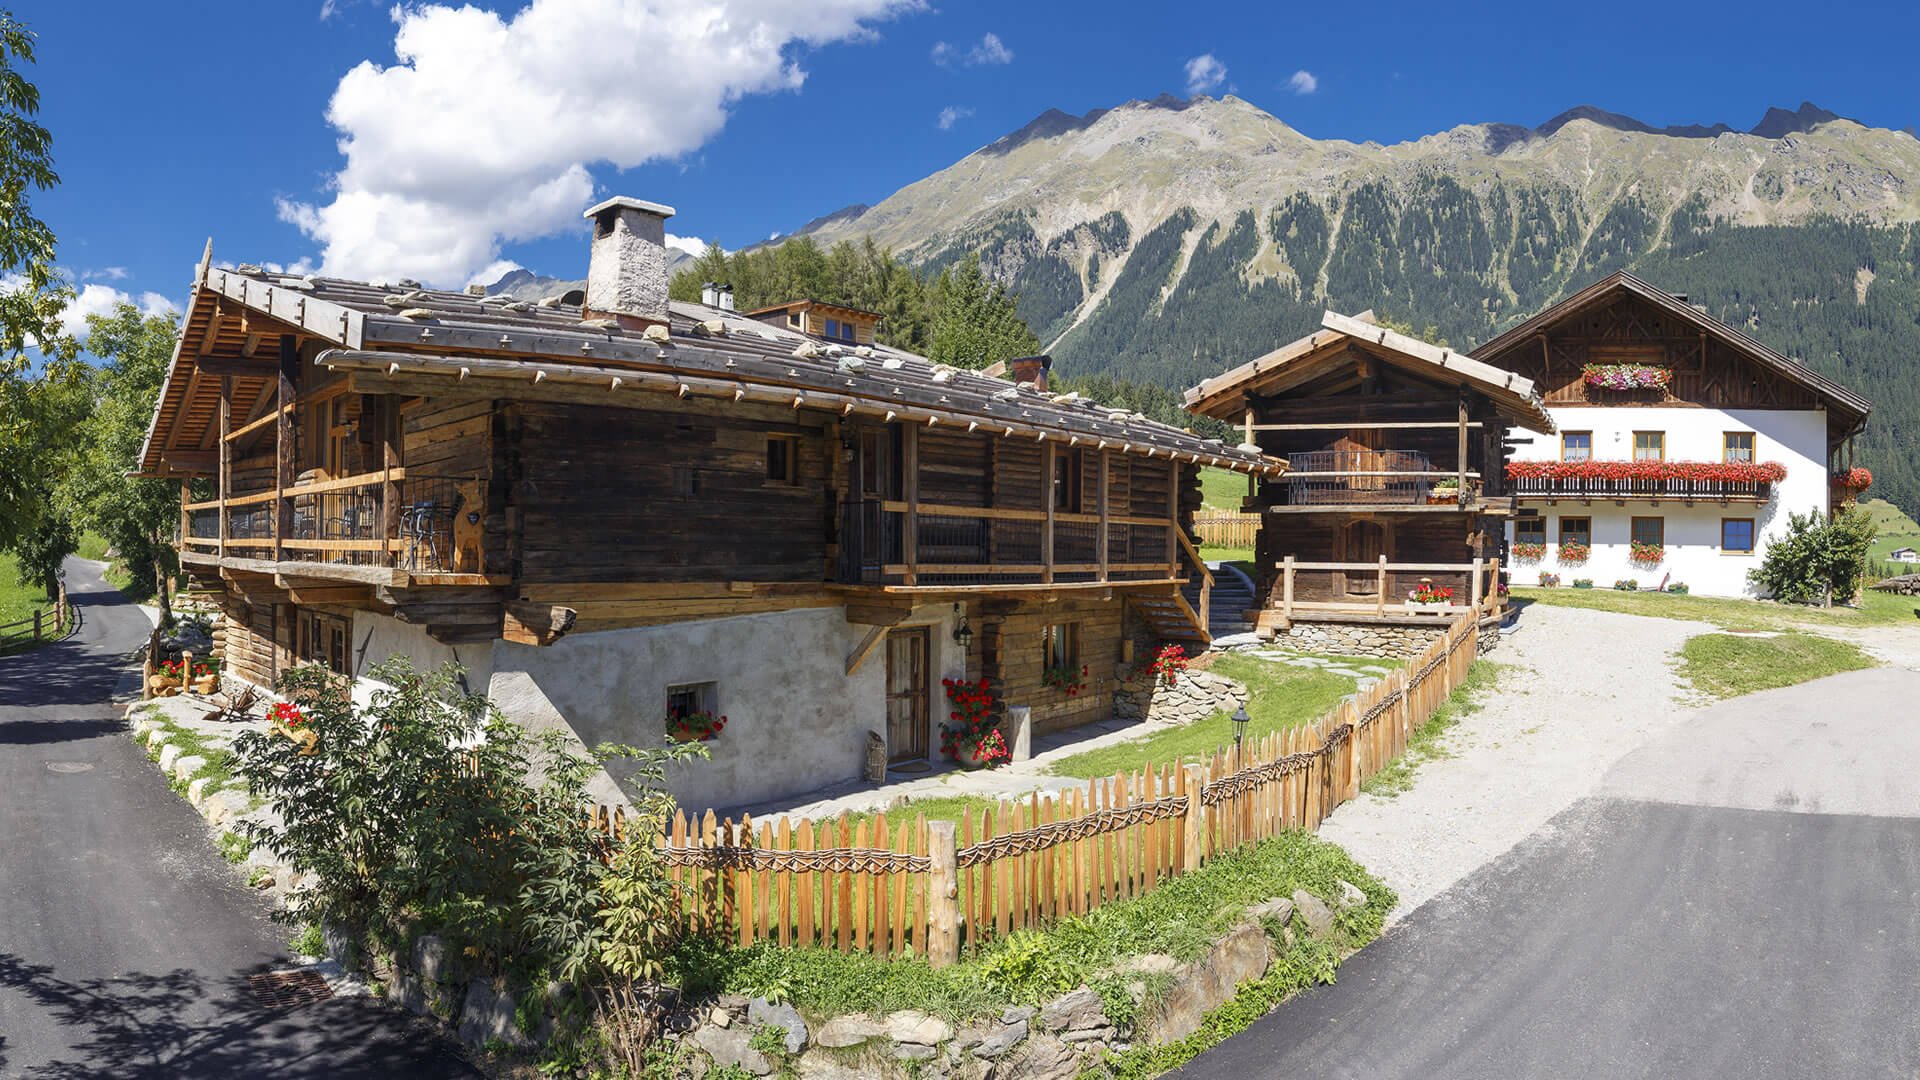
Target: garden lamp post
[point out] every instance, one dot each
(1240, 719)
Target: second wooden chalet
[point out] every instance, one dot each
(1392, 513)
(609, 508)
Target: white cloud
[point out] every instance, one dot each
(952, 115)
(1303, 82)
(988, 50)
(1204, 73)
(494, 271)
(96, 299)
(692, 245)
(483, 132)
(105, 273)
(327, 9)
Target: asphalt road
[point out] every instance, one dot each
(125, 940)
(1741, 898)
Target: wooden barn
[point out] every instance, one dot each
(607, 507)
(1396, 480)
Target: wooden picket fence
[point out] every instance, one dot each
(899, 885)
(42, 624)
(1222, 529)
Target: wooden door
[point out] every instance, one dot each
(1362, 542)
(907, 691)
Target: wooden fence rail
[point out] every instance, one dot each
(1226, 530)
(907, 885)
(41, 624)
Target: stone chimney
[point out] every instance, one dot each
(1030, 370)
(627, 275)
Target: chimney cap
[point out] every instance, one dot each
(628, 202)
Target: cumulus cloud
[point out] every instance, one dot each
(105, 273)
(952, 115)
(1303, 82)
(1205, 73)
(988, 50)
(97, 299)
(484, 130)
(692, 245)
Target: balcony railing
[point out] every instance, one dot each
(342, 522)
(1652, 480)
(1363, 477)
(1381, 588)
(891, 543)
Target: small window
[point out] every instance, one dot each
(1576, 530)
(783, 459)
(1650, 530)
(1738, 446)
(1531, 530)
(688, 699)
(846, 331)
(1576, 446)
(793, 318)
(1736, 535)
(322, 640)
(833, 327)
(1066, 481)
(1649, 446)
(1062, 645)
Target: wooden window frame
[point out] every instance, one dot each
(1753, 536)
(1066, 488)
(1563, 445)
(314, 640)
(1661, 435)
(1561, 532)
(1660, 523)
(788, 446)
(703, 696)
(1538, 522)
(1726, 446)
(1061, 641)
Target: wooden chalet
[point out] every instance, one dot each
(1395, 450)
(610, 509)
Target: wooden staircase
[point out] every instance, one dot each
(1172, 615)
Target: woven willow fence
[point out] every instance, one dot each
(905, 884)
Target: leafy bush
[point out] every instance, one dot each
(1583, 583)
(1627, 584)
(1678, 588)
(1029, 967)
(1817, 558)
(1548, 579)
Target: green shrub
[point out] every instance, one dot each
(1817, 558)
(1678, 588)
(308, 942)
(1549, 579)
(1583, 583)
(1627, 584)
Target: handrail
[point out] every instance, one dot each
(1186, 545)
(1005, 513)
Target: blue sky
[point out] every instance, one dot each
(175, 122)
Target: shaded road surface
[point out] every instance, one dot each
(125, 940)
(1741, 898)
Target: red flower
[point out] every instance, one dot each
(1728, 472)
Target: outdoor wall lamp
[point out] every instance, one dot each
(1240, 719)
(962, 634)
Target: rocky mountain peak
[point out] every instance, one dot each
(1778, 123)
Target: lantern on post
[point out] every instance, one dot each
(1240, 720)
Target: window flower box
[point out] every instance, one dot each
(1573, 552)
(1644, 554)
(1524, 551)
(1627, 376)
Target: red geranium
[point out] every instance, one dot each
(1854, 479)
(970, 726)
(1726, 472)
(286, 714)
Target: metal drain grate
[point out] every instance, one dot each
(285, 989)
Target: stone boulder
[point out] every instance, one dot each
(1347, 896)
(1000, 1042)
(1314, 912)
(851, 1030)
(763, 1013)
(1280, 909)
(1206, 983)
(913, 1027)
(1075, 1010)
(1042, 1058)
(488, 1016)
(730, 1046)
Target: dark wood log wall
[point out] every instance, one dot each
(1013, 657)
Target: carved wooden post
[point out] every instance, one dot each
(1286, 595)
(943, 895)
(225, 487)
(1194, 823)
(1380, 595)
(286, 443)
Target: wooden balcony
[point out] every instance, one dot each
(1373, 479)
(382, 528)
(1378, 591)
(1587, 489)
(933, 546)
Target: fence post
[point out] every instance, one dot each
(1194, 823)
(36, 624)
(943, 893)
(1286, 590)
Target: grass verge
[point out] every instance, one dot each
(1278, 697)
(92, 546)
(19, 601)
(1424, 744)
(1725, 665)
(218, 770)
(1182, 918)
(1876, 608)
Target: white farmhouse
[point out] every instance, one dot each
(1681, 445)
(1904, 555)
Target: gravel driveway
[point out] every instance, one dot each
(1581, 690)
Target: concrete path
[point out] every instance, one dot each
(1739, 897)
(125, 940)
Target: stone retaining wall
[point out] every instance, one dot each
(1362, 639)
(1193, 696)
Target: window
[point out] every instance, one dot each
(1062, 645)
(1649, 446)
(1576, 530)
(833, 328)
(1066, 481)
(1650, 530)
(793, 318)
(1576, 446)
(783, 459)
(322, 639)
(1736, 535)
(1738, 446)
(1531, 530)
(690, 698)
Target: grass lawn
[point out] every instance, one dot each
(1424, 744)
(19, 601)
(92, 546)
(1875, 608)
(1278, 697)
(1724, 665)
(1222, 489)
(1241, 556)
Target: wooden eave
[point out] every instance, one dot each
(1852, 407)
(812, 305)
(1224, 396)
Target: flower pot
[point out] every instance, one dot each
(306, 740)
(972, 758)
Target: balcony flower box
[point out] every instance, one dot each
(1574, 553)
(1528, 552)
(1627, 376)
(1645, 554)
(1723, 472)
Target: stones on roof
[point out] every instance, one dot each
(658, 334)
(548, 302)
(417, 313)
(406, 299)
(710, 328)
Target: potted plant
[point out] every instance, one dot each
(1583, 583)
(166, 680)
(1678, 588)
(1166, 665)
(1444, 491)
(1642, 554)
(1428, 595)
(1526, 551)
(287, 721)
(1066, 679)
(970, 735)
(693, 725)
(206, 677)
(1549, 579)
(1573, 552)
(1627, 584)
